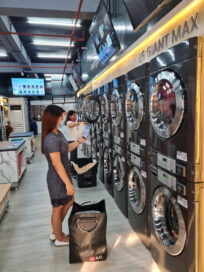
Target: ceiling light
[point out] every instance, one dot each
(52, 75)
(85, 75)
(3, 54)
(93, 58)
(52, 56)
(52, 43)
(48, 22)
(47, 79)
(83, 48)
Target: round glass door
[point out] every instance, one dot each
(134, 106)
(118, 173)
(116, 107)
(105, 108)
(136, 190)
(91, 109)
(166, 104)
(168, 221)
(107, 162)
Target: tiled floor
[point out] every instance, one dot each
(24, 231)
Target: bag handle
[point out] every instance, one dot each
(83, 221)
(86, 202)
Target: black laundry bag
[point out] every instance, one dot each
(87, 232)
(87, 179)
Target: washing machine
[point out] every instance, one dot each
(173, 105)
(120, 179)
(94, 143)
(117, 108)
(99, 138)
(107, 138)
(79, 103)
(137, 111)
(108, 166)
(91, 111)
(177, 224)
(139, 197)
(105, 111)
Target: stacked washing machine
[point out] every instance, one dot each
(107, 139)
(138, 123)
(99, 136)
(177, 154)
(93, 135)
(117, 107)
(91, 113)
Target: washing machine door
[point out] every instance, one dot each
(107, 162)
(116, 107)
(118, 173)
(136, 190)
(168, 221)
(134, 106)
(91, 109)
(105, 108)
(167, 100)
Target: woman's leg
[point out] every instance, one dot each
(56, 221)
(66, 208)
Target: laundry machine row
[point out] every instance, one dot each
(117, 110)
(177, 172)
(164, 107)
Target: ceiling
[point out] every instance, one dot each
(44, 34)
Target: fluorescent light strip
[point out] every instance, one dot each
(3, 54)
(52, 56)
(48, 79)
(52, 75)
(49, 43)
(52, 23)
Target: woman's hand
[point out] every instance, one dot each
(70, 189)
(81, 139)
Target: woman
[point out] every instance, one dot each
(61, 190)
(71, 131)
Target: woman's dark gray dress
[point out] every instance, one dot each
(57, 189)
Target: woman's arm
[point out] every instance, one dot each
(57, 163)
(75, 124)
(74, 145)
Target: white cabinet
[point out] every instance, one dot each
(18, 114)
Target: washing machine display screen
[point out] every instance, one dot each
(166, 104)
